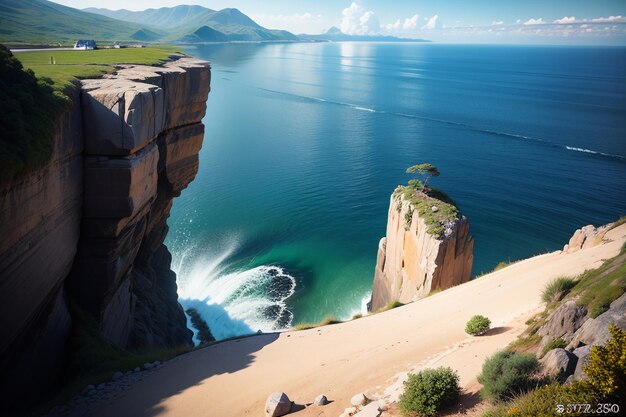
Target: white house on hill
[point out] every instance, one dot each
(85, 45)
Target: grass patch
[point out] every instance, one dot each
(553, 344)
(328, 320)
(618, 223)
(72, 65)
(502, 265)
(556, 289)
(423, 202)
(597, 289)
(390, 306)
(525, 344)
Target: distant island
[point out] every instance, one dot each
(42, 22)
(334, 34)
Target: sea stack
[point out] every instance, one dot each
(428, 247)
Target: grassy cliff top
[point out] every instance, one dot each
(71, 65)
(423, 201)
(34, 91)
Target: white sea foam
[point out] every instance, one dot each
(234, 302)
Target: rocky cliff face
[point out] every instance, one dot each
(411, 262)
(90, 225)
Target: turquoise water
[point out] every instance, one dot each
(305, 143)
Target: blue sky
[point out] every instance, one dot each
(490, 21)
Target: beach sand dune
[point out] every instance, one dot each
(366, 355)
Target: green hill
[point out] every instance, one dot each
(41, 21)
(184, 22)
(45, 22)
(164, 17)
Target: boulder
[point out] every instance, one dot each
(277, 404)
(559, 362)
(562, 323)
(320, 400)
(582, 353)
(370, 410)
(359, 400)
(596, 331)
(586, 237)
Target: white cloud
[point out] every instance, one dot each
(411, 22)
(358, 21)
(394, 26)
(431, 23)
(609, 19)
(497, 23)
(534, 22)
(565, 20)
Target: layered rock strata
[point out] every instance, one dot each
(90, 225)
(411, 263)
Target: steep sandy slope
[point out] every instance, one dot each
(234, 378)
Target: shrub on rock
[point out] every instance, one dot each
(429, 391)
(606, 369)
(477, 325)
(506, 374)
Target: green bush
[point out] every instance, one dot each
(429, 391)
(477, 325)
(507, 373)
(606, 369)
(557, 289)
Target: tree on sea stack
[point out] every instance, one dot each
(426, 171)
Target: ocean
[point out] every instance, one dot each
(305, 143)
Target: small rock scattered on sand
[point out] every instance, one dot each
(277, 404)
(359, 400)
(320, 400)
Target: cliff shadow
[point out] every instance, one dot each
(146, 397)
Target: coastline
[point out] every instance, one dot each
(364, 355)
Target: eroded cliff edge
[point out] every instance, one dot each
(424, 249)
(89, 226)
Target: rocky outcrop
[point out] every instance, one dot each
(562, 323)
(90, 225)
(559, 363)
(596, 331)
(586, 237)
(142, 135)
(411, 262)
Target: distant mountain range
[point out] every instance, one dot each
(334, 34)
(42, 21)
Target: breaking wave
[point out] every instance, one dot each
(234, 302)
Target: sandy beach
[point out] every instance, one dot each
(366, 355)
